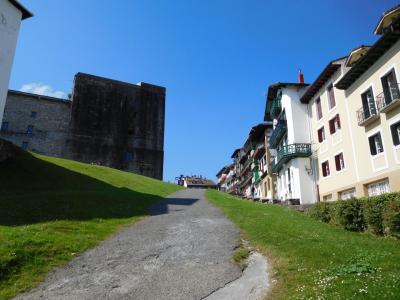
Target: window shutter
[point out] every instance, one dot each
(331, 127)
(372, 145)
(337, 162)
(324, 169)
(320, 135)
(395, 135)
(327, 169)
(338, 121)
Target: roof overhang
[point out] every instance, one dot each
(257, 131)
(25, 13)
(387, 19)
(325, 75)
(356, 54)
(272, 92)
(235, 152)
(371, 56)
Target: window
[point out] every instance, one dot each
(327, 197)
(25, 145)
(375, 144)
(319, 108)
(321, 134)
(4, 126)
(368, 103)
(331, 97)
(29, 130)
(348, 194)
(378, 188)
(339, 162)
(395, 129)
(334, 124)
(129, 156)
(325, 169)
(33, 114)
(390, 87)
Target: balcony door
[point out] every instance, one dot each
(390, 87)
(368, 103)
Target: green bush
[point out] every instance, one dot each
(391, 217)
(373, 208)
(321, 211)
(349, 214)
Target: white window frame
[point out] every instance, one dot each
(344, 162)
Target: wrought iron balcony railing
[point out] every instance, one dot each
(388, 99)
(289, 152)
(277, 134)
(365, 115)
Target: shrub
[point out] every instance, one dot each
(391, 217)
(349, 214)
(321, 211)
(373, 211)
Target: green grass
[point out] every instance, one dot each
(53, 209)
(314, 260)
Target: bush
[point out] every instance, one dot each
(349, 214)
(321, 211)
(391, 217)
(373, 211)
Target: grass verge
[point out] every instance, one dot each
(53, 209)
(314, 260)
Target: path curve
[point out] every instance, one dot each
(182, 251)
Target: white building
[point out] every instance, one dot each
(291, 142)
(11, 15)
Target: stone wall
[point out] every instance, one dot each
(49, 118)
(108, 122)
(117, 124)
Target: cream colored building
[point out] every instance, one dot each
(354, 113)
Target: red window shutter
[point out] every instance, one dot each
(324, 169)
(331, 127)
(338, 121)
(337, 162)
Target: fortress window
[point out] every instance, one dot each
(129, 156)
(4, 126)
(29, 130)
(25, 145)
(33, 114)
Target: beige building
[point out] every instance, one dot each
(354, 113)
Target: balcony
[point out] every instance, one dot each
(388, 100)
(367, 115)
(277, 134)
(246, 166)
(289, 152)
(275, 108)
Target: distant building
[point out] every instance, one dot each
(12, 13)
(198, 182)
(222, 176)
(108, 122)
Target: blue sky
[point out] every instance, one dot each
(215, 57)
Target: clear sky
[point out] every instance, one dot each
(215, 57)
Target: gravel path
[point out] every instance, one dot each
(183, 251)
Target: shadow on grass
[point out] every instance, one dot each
(33, 191)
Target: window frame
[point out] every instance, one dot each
(334, 124)
(323, 136)
(318, 108)
(372, 141)
(325, 172)
(342, 164)
(395, 131)
(29, 129)
(328, 89)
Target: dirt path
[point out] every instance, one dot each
(183, 251)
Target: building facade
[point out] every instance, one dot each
(291, 142)
(12, 13)
(107, 122)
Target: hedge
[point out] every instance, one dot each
(379, 214)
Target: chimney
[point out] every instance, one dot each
(300, 77)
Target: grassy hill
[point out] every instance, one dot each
(314, 260)
(53, 209)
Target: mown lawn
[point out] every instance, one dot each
(53, 209)
(314, 260)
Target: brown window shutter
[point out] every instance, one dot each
(324, 169)
(320, 135)
(331, 126)
(338, 121)
(337, 162)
